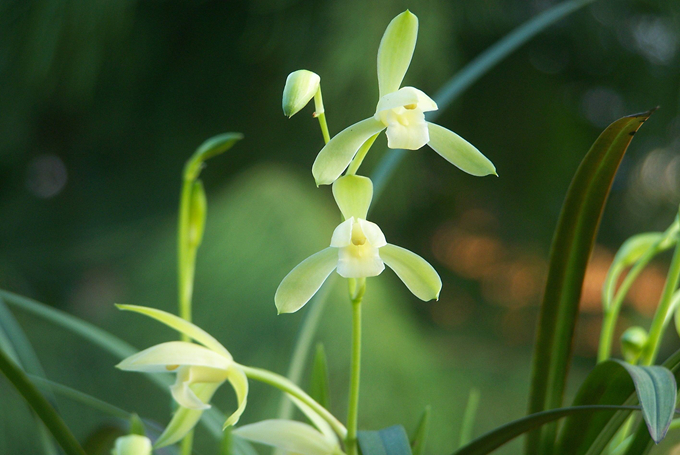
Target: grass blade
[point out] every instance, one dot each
(388, 441)
(40, 405)
(319, 387)
(469, 417)
(419, 438)
(571, 248)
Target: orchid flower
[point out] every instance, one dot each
(358, 250)
(132, 444)
(402, 112)
(201, 369)
(294, 437)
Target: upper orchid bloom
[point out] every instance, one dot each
(294, 437)
(201, 370)
(358, 250)
(401, 112)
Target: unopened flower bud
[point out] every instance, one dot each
(301, 86)
(633, 342)
(132, 444)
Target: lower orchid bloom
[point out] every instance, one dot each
(358, 250)
(402, 112)
(294, 437)
(201, 369)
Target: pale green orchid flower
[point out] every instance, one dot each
(358, 250)
(294, 437)
(132, 444)
(201, 369)
(402, 112)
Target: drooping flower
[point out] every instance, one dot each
(358, 250)
(301, 86)
(294, 437)
(402, 112)
(201, 369)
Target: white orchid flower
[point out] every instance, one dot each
(401, 112)
(201, 369)
(294, 437)
(358, 250)
(132, 444)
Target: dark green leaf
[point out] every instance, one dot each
(40, 405)
(571, 248)
(610, 383)
(419, 437)
(388, 441)
(319, 387)
(506, 433)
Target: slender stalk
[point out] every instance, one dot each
(661, 316)
(320, 114)
(361, 154)
(357, 295)
(285, 385)
(186, 256)
(611, 314)
(40, 405)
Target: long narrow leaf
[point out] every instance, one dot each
(506, 433)
(319, 387)
(571, 249)
(388, 441)
(41, 406)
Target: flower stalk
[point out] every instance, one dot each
(357, 290)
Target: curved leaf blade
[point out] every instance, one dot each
(571, 249)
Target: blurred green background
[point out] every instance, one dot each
(102, 102)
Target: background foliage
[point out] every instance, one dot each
(102, 103)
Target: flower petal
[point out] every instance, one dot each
(288, 435)
(407, 130)
(157, 359)
(304, 280)
(459, 152)
(395, 52)
(373, 233)
(183, 394)
(334, 158)
(359, 261)
(405, 96)
(185, 419)
(353, 194)
(416, 273)
(316, 419)
(239, 381)
(175, 322)
(342, 235)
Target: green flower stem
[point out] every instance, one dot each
(611, 314)
(357, 290)
(285, 385)
(186, 254)
(361, 154)
(661, 316)
(40, 405)
(320, 114)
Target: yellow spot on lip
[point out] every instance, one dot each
(171, 367)
(411, 106)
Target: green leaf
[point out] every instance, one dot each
(388, 441)
(319, 387)
(571, 249)
(419, 437)
(40, 405)
(610, 383)
(212, 147)
(506, 433)
(469, 417)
